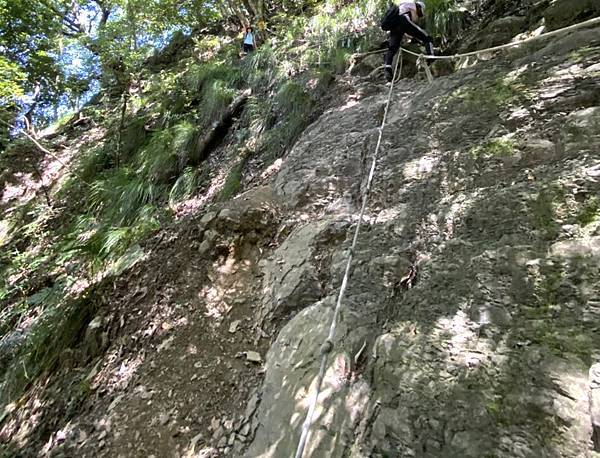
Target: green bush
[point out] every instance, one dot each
(589, 212)
(439, 17)
(185, 135)
(261, 68)
(497, 147)
(198, 74)
(157, 161)
(184, 186)
(119, 196)
(216, 96)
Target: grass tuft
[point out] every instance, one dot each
(184, 187)
(497, 147)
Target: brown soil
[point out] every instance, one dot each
(167, 372)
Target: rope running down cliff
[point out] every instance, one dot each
(327, 346)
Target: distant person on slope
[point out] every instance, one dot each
(398, 20)
(249, 43)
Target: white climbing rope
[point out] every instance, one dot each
(423, 58)
(327, 346)
(421, 63)
(594, 21)
(589, 22)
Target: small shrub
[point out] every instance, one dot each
(117, 239)
(589, 212)
(184, 138)
(293, 98)
(118, 197)
(93, 162)
(439, 17)
(293, 106)
(216, 96)
(157, 161)
(261, 68)
(197, 75)
(259, 115)
(134, 196)
(133, 137)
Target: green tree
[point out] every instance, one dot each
(11, 88)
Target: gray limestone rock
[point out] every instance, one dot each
(483, 354)
(10, 345)
(95, 338)
(291, 275)
(502, 31)
(563, 13)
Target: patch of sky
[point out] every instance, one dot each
(82, 69)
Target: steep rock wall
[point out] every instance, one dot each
(481, 187)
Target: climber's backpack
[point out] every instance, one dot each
(391, 18)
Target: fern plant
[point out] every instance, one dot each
(216, 96)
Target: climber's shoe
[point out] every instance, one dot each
(389, 74)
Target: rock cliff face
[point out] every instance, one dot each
(470, 324)
(484, 189)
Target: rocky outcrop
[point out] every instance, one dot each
(292, 275)
(502, 31)
(469, 327)
(562, 13)
(490, 210)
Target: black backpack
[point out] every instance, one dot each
(391, 18)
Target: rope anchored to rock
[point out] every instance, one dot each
(423, 58)
(327, 346)
(588, 23)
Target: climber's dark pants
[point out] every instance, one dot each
(396, 35)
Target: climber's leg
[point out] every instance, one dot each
(393, 47)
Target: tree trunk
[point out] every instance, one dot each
(205, 141)
(238, 12)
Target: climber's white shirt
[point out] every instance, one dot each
(408, 7)
(249, 39)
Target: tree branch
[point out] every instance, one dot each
(44, 150)
(105, 11)
(65, 20)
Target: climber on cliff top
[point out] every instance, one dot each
(398, 20)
